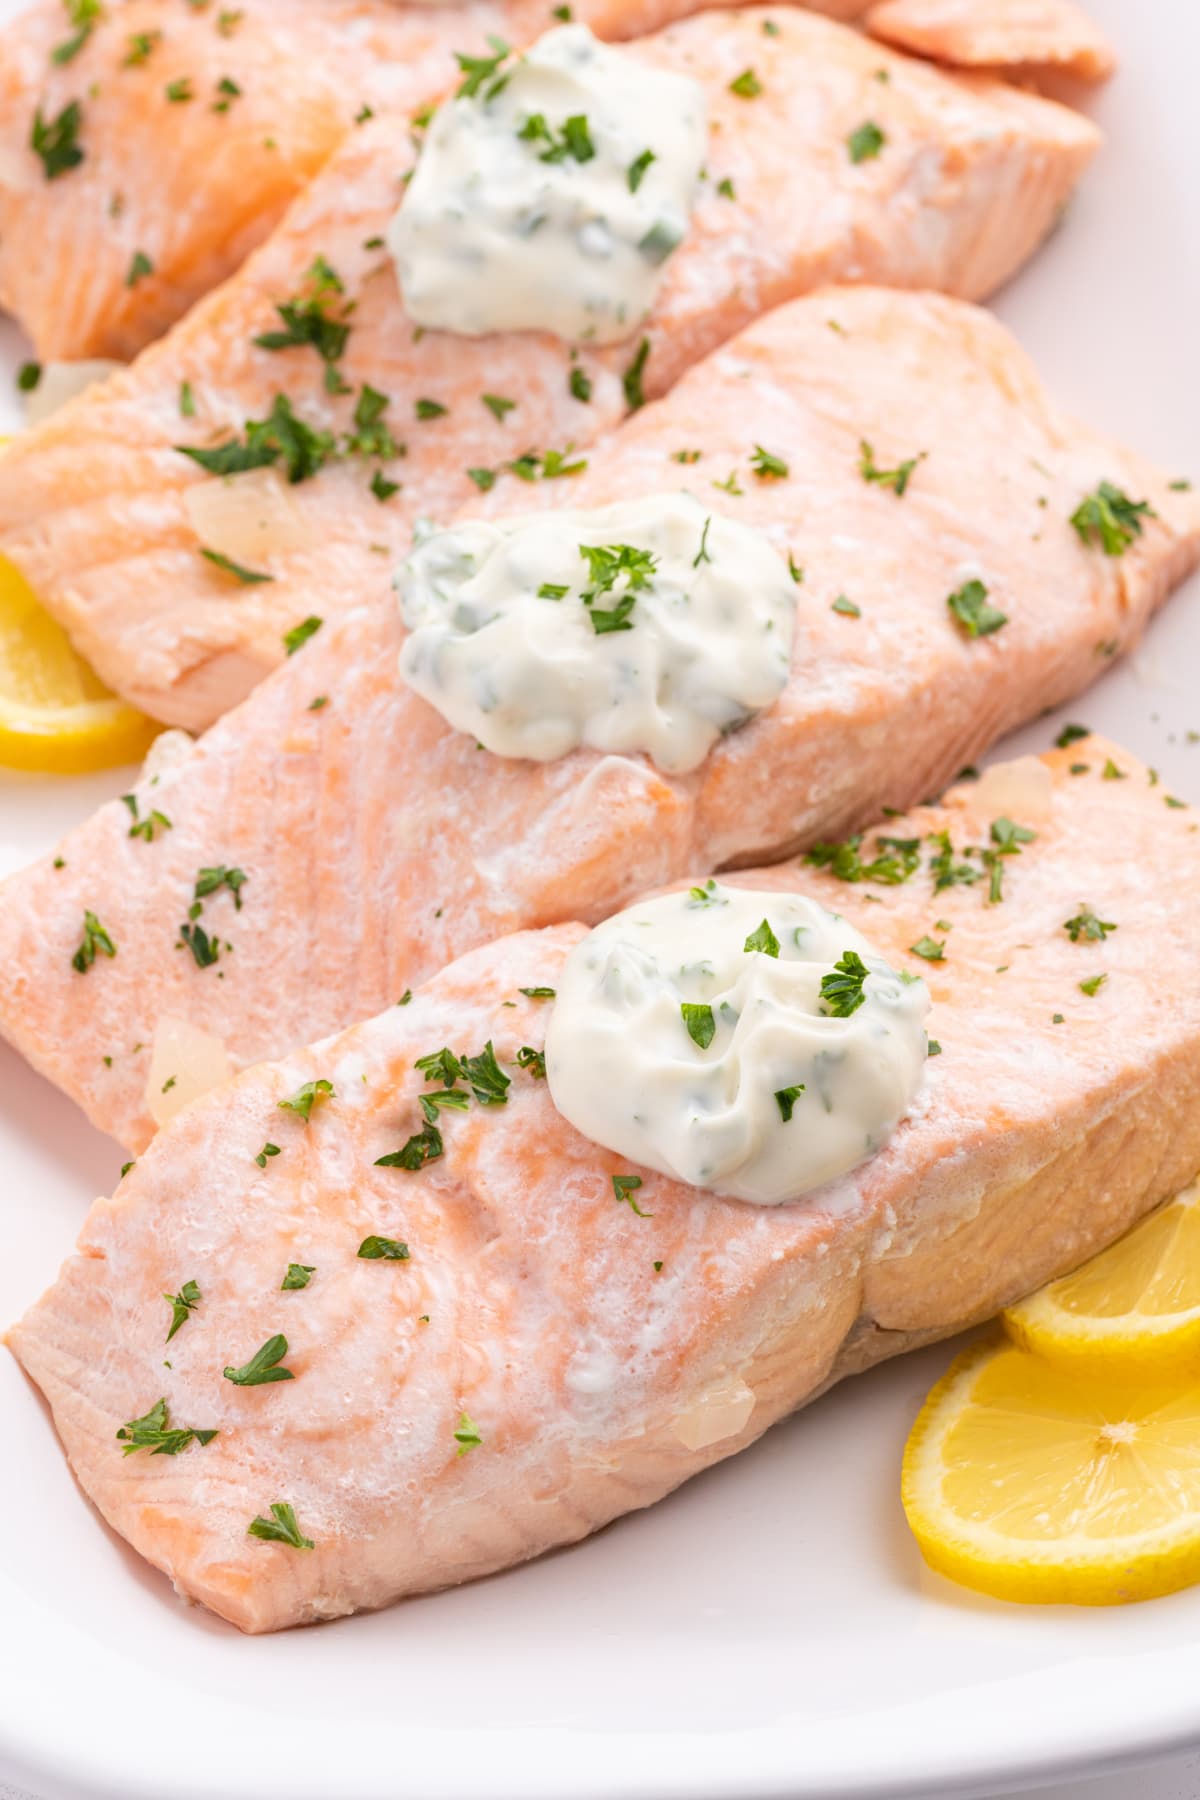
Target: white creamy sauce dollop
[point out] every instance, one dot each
(550, 196)
(653, 625)
(692, 1034)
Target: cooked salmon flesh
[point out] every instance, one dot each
(108, 517)
(495, 1353)
(370, 843)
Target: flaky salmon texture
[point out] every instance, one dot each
(371, 843)
(545, 1358)
(144, 154)
(108, 519)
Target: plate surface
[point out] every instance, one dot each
(770, 1630)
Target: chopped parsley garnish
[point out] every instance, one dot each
(553, 590)
(1092, 986)
(794, 569)
(483, 478)
(307, 320)
(263, 1366)
(897, 479)
(180, 90)
(746, 86)
(83, 15)
(929, 948)
(280, 435)
(467, 1435)
(182, 1306)
(896, 859)
(574, 139)
(187, 401)
(149, 827)
(865, 141)
(842, 989)
(56, 141)
(280, 1528)
(725, 188)
(483, 71)
(579, 384)
(95, 941)
(211, 880)
(383, 1249)
(28, 376)
(934, 1048)
(699, 1021)
(537, 993)
(140, 266)
(785, 1100)
(205, 950)
(154, 1432)
(1109, 518)
(762, 938)
(550, 466)
(766, 465)
(1110, 771)
(843, 604)
(708, 894)
(1071, 734)
(381, 487)
(973, 612)
(1007, 840)
(228, 91)
(141, 45)
(945, 871)
(1086, 927)
(247, 577)
(533, 1060)
(423, 1147)
(631, 381)
(371, 435)
(625, 1187)
(635, 174)
(268, 1150)
(497, 405)
(484, 1076)
(298, 1276)
(686, 456)
(430, 409)
(302, 1102)
(299, 635)
(613, 566)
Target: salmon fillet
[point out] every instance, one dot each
(107, 519)
(379, 843)
(589, 1359)
(1025, 37)
(190, 184)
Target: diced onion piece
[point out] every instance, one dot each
(247, 517)
(1021, 790)
(719, 1413)
(61, 381)
(185, 1062)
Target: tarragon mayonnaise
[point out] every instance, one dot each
(550, 192)
(652, 625)
(737, 1039)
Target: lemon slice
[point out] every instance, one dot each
(1031, 1483)
(1135, 1308)
(55, 714)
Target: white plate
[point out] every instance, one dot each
(770, 1630)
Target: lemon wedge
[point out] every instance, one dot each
(1031, 1483)
(55, 714)
(1134, 1309)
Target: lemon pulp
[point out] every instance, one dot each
(55, 712)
